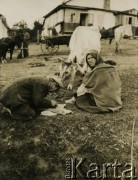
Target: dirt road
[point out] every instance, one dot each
(48, 64)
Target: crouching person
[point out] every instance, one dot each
(25, 98)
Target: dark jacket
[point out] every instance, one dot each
(30, 90)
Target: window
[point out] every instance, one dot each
(130, 20)
(72, 17)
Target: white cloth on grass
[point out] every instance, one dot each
(60, 109)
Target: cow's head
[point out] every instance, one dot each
(67, 69)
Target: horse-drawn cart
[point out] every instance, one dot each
(50, 45)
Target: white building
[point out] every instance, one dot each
(67, 16)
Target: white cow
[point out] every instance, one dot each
(120, 32)
(82, 40)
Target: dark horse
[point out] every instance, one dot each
(108, 33)
(8, 44)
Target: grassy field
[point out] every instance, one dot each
(39, 149)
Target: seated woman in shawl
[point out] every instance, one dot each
(100, 90)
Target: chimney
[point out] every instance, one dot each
(107, 4)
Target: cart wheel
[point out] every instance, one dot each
(50, 47)
(56, 48)
(47, 47)
(44, 48)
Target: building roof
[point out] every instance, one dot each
(130, 10)
(127, 12)
(65, 6)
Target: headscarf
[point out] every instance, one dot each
(96, 56)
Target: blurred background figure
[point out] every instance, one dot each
(26, 44)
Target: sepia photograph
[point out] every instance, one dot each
(68, 89)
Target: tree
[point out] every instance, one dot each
(20, 25)
(38, 26)
(37, 30)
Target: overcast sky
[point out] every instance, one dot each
(28, 10)
(31, 10)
